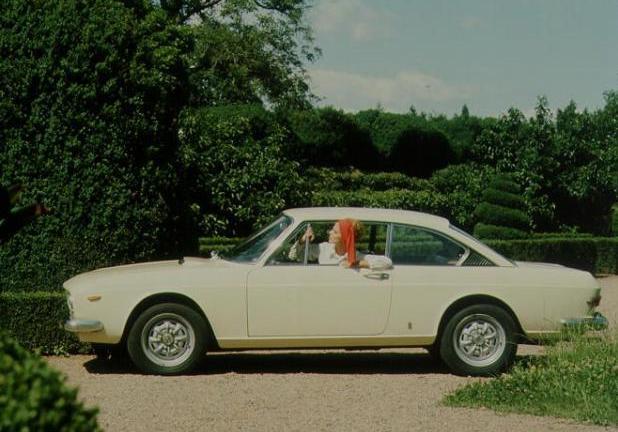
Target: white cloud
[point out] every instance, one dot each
(352, 91)
(470, 23)
(352, 18)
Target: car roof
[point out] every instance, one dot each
(368, 214)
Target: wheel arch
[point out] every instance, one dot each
(168, 297)
(476, 299)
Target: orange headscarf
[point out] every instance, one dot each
(348, 237)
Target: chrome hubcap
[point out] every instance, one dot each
(168, 339)
(479, 340)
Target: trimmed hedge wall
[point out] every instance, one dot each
(596, 255)
(425, 201)
(35, 320)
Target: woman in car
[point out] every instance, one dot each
(339, 249)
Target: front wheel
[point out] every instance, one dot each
(479, 340)
(167, 339)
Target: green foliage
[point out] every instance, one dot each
(33, 396)
(325, 179)
(615, 220)
(239, 177)
(411, 144)
(330, 138)
(500, 214)
(489, 231)
(493, 214)
(419, 151)
(596, 255)
(576, 379)
(249, 51)
(463, 186)
(568, 166)
(91, 93)
(35, 320)
(425, 201)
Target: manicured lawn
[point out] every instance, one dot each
(577, 379)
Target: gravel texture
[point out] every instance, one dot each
(387, 390)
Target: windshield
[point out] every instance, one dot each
(252, 249)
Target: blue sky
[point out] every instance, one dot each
(438, 55)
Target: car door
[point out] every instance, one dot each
(431, 271)
(295, 297)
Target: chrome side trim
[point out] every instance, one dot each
(83, 326)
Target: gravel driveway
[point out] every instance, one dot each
(387, 390)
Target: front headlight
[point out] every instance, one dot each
(70, 306)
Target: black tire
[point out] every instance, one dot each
(167, 339)
(479, 340)
(434, 353)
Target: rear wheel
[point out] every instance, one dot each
(479, 340)
(167, 339)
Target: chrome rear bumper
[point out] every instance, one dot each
(83, 326)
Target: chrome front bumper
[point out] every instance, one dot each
(595, 322)
(83, 326)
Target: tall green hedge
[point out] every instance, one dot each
(35, 320)
(91, 92)
(34, 397)
(425, 201)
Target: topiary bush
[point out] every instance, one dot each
(419, 151)
(501, 213)
(34, 397)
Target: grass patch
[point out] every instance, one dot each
(576, 379)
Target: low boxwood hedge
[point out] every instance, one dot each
(35, 320)
(34, 397)
(596, 255)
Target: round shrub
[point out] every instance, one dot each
(34, 397)
(330, 138)
(419, 151)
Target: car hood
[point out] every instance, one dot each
(107, 274)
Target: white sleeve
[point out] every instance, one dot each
(378, 262)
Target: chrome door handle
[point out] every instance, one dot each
(378, 276)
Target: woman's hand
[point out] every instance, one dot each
(308, 235)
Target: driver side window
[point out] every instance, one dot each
(293, 251)
(416, 246)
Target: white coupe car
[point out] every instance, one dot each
(445, 291)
